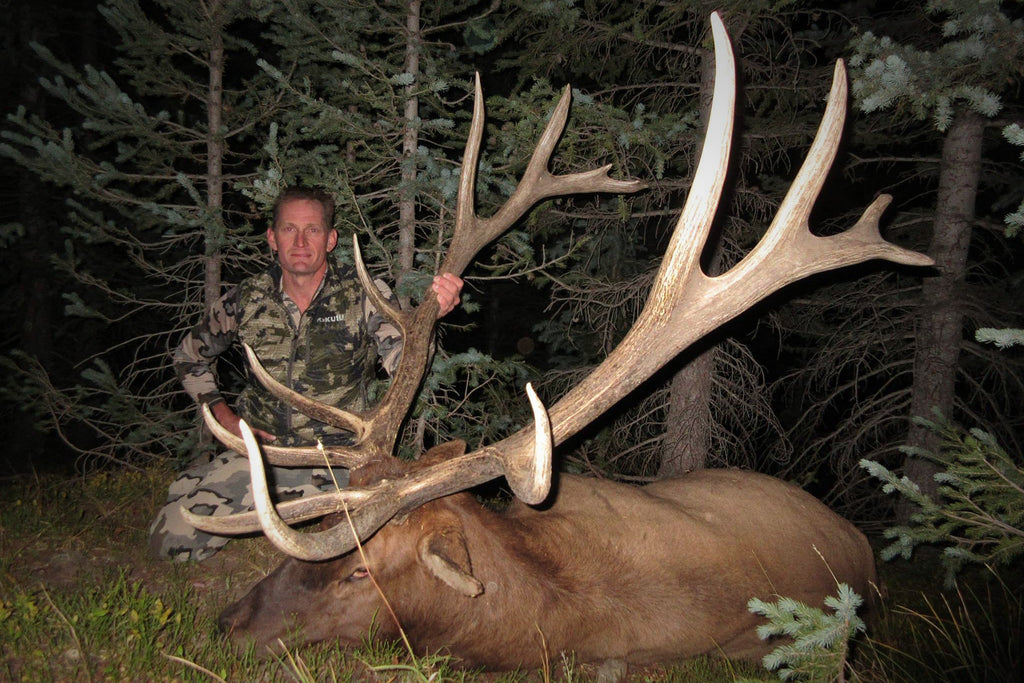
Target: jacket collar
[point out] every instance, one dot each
(332, 278)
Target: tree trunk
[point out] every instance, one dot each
(410, 142)
(407, 195)
(689, 423)
(940, 324)
(214, 158)
(688, 431)
(212, 272)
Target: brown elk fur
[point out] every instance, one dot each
(607, 571)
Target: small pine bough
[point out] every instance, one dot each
(977, 517)
(817, 643)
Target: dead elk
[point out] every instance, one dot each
(602, 570)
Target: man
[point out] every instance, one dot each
(314, 329)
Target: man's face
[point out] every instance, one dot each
(302, 237)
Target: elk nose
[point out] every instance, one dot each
(233, 618)
(225, 624)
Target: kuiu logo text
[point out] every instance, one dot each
(339, 318)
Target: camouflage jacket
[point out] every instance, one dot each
(328, 352)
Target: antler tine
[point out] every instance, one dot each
(472, 233)
(337, 417)
(371, 507)
(286, 456)
(670, 320)
(682, 256)
(790, 230)
(395, 314)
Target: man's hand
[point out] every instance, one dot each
(447, 287)
(229, 420)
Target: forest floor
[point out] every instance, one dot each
(66, 541)
(82, 600)
(83, 530)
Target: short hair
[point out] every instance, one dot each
(313, 194)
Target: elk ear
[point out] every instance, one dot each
(445, 554)
(443, 452)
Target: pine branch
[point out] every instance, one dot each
(978, 516)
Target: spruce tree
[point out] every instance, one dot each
(955, 88)
(978, 514)
(144, 162)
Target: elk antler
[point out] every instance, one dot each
(370, 507)
(683, 306)
(374, 431)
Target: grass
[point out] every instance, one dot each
(110, 631)
(973, 633)
(80, 600)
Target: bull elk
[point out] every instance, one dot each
(600, 569)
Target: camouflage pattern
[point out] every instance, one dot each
(220, 486)
(328, 352)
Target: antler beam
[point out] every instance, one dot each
(369, 508)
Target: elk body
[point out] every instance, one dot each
(600, 569)
(608, 571)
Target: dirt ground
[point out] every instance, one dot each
(66, 534)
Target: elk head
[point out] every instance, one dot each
(684, 304)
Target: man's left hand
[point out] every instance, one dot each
(447, 287)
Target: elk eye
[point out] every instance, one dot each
(359, 574)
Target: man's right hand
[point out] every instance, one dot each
(229, 420)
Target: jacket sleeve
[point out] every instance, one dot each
(194, 356)
(387, 336)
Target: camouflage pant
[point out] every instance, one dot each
(220, 486)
